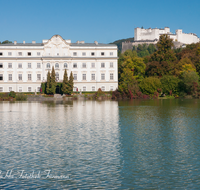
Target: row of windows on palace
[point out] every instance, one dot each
(39, 54)
(29, 89)
(84, 77)
(48, 65)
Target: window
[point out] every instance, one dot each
(111, 53)
(75, 89)
(9, 89)
(57, 76)
(74, 53)
(19, 65)
(57, 53)
(92, 53)
(10, 65)
(19, 76)
(75, 76)
(84, 88)
(20, 53)
(29, 76)
(56, 65)
(1, 76)
(93, 76)
(75, 65)
(9, 53)
(38, 65)
(29, 53)
(1, 89)
(83, 53)
(103, 88)
(38, 76)
(20, 89)
(29, 65)
(84, 65)
(93, 88)
(102, 53)
(111, 64)
(65, 65)
(29, 89)
(38, 89)
(102, 76)
(111, 76)
(93, 65)
(48, 65)
(84, 76)
(102, 65)
(1, 65)
(9, 76)
(38, 53)
(1, 53)
(111, 88)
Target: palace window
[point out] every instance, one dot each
(56, 65)
(38, 76)
(83, 53)
(84, 88)
(20, 89)
(93, 88)
(29, 89)
(9, 76)
(9, 53)
(29, 65)
(102, 76)
(65, 65)
(111, 53)
(20, 53)
(84, 76)
(10, 65)
(1, 76)
(29, 53)
(93, 65)
(1, 65)
(84, 65)
(1, 53)
(103, 88)
(57, 76)
(75, 89)
(38, 89)
(74, 65)
(111, 88)
(19, 76)
(38, 53)
(93, 76)
(48, 65)
(75, 76)
(102, 65)
(29, 76)
(102, 53)
(92, 53)
(111, 76)
(19, 65)
(38, 65)
(111, 64)
(1, 89)
(9, 89)
(74, 53)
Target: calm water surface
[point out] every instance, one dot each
(152, 144)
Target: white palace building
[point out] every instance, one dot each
(23, 66)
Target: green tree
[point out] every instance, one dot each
(150, 85)
(5, 42)
(48, 91)
(71, 83)
(65, 86)
(151, 48)
(169, 84)
(53, 81)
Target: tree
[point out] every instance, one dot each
(65, 86)
(53, 81)
(5, 42)
(71, 83)
(48, 83)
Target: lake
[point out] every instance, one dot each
(141, 144)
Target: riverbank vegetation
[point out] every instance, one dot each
(149, 72)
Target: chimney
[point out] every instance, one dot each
(77, 42)
(33, 42)
(23, 42)
(96, 42)
(15, 42)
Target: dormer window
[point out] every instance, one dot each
(29, 53)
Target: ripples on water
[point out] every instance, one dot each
(150, 144)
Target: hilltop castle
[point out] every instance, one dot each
(151, 36)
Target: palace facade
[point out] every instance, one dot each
(23, 66)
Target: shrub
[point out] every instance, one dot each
(116, 95)
(21, 97)
(12, 94)
(98, 94)
(150, 85)
(169, 84)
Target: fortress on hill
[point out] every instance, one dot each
(151, 36)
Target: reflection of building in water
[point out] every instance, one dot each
(23, 66)
(151, 36)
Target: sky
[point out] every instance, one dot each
(93, 20)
